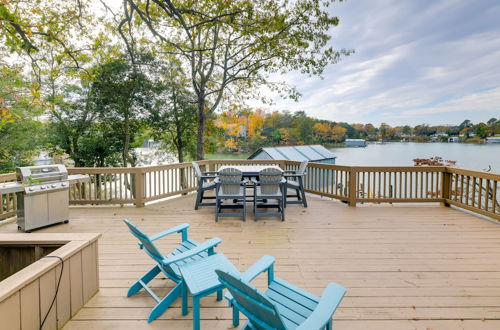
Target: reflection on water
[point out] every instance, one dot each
(469, 156)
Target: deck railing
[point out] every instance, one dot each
(475, 191)
(471, 190)
(7, 201)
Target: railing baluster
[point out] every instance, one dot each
(480, 193)
(461, 188)
(487, 196)
(473, 191)
(494, 200)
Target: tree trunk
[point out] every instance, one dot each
(180, 149)
(126, 139)
(126, 142)
(182, 172)
(200, 140)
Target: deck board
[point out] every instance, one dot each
(404, 266)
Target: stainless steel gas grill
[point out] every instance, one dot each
(43, 198)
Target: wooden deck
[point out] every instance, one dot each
(404, 267)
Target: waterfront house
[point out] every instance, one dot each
(453, 139)
(493, 139)
(355, 143)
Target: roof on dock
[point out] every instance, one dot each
(296, 153)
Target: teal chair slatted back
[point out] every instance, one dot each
(150, 248)
(261, 312)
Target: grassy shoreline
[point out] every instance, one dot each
(226, 156)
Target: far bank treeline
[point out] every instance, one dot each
(246, 130)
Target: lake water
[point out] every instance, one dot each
(469, 156)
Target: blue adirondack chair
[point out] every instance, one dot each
(283, 305)
(188, 250)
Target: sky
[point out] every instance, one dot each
(415, 62)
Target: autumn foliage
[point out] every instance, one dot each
(246, 130)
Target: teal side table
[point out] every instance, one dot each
(200, 279)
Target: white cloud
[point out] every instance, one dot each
(413, 61)
(487, 100)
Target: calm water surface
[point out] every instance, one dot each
(469, 156)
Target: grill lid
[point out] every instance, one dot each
(42, 173)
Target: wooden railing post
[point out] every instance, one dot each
(446, 187)
(211, 166)
(139, 187)
(352, 187)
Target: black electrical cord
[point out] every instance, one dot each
(57, 289)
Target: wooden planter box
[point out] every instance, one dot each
(25, 296)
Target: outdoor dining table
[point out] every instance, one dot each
(249, 171)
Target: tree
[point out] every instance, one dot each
(370, 129)
(99, 145)
(465, 124)
(58, 41)
(322, 132)
(384, 130)
(406, 130)
(68, 30)
(494, 125)
(230, 47)
(302, 128)
(422, 130)
(173, 115)
(482, 130)
(338, 133)
(20, 134)
(122, 94)
(71, 121)
(284, 135)
(13, 94)
(256, 124)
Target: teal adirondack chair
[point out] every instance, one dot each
(283, 305)
(188, 250)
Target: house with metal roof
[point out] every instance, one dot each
(355, 143)
(313, 153)
(493, 139)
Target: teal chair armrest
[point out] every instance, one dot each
(177, 229)
(327, 305)
(207, 245)
(265, 263)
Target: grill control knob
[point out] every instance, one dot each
(53, 185)
(64, 184)
(31, 189)
(43, 187)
